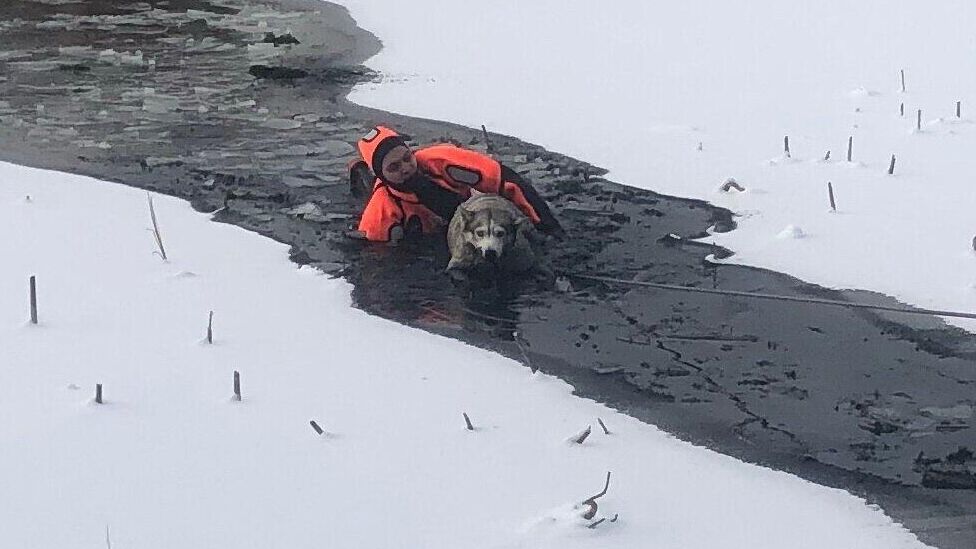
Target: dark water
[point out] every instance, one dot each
(257, 126)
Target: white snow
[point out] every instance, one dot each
(170, 460)
(636, 86)
(791, 232)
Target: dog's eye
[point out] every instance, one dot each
(500, 233)
(480, 233)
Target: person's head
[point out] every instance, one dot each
(388, 155)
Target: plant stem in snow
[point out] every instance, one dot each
(237, 386)
(591, 502)
(488, 146)
(786, 146)
(731, 183)
(958, 109)
(98, 393)
(901, 109)
(316, 427)
(581, 436)
(827, 156)
(850, 148)
(903, 81)
(918, 121)
(603, 425)
(159, 239)
(891, 167)
(33, 299)
(210, 328)
(521, 347)
(830, 194)
(467, 421)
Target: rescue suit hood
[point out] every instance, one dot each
(376, 144)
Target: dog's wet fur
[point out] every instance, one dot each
(489, 234)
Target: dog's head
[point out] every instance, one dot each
(491, 232)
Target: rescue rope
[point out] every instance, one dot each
(774, 297)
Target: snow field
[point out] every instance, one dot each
(635, 87)
(169, 460)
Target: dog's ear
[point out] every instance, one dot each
(466, 216)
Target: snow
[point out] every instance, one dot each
(791, 232)
(636, 87)
(171, 460)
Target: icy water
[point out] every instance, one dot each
(239, 106)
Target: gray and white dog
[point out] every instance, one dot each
(487, 230)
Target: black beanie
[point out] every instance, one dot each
(382, 149)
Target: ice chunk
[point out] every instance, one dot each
(126, 58)
(959, 411)
(76, 51)
(334, 147)
(282, 124)
(308, 210)
(158, 104)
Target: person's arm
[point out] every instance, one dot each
(526, 197)
(465, 168)
(462, 169)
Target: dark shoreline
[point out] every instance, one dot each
(834, 396)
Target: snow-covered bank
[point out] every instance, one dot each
(169, 460)
(637, 86)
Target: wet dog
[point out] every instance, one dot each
(489, 234)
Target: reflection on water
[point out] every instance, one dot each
(407, 283)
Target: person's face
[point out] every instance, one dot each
(399, 165)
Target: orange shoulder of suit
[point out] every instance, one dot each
(460, 170)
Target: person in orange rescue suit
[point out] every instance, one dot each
(416, 192)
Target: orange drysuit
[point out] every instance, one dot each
(446, 176)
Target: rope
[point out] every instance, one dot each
(757, 295)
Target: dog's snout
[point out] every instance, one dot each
(491, 255)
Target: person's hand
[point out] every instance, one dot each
(396, 235)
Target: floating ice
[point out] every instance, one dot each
(334, 147)
(281, 124)
(157, 103)
(308, 210)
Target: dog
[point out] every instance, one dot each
(489, 233)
